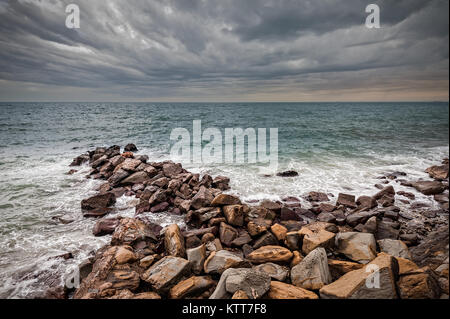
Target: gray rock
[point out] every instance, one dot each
(312, 272)
(196, 257)
(166, 272)
(275, 271)
(395, 248)
(254, 284)
(359, 247)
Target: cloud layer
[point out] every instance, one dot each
(224, 50)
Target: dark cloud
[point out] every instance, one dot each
(222, 49)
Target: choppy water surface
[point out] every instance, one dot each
(334, 146)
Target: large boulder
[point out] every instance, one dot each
(395, 248)
(346, 200)
(98, 201)
(429, 187)
(174, 241)
(439, 172)
(219, 261)
(275, 254)
(281, 290)
(312, 272)
(359, 247)
(419, 285)
(375, 281)
(166, 273)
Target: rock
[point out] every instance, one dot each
(192, 242)
(190, 287)
(406, 266)
(371, 225)
(254, 284)
(77, 161)
(275, 254)
(174, 241)
(147, 261)
(293, 240)
(274, 206)
(439, 172)
(312, 272)
(280, 290)
(166, 272)
(317, 197)
(203, 198)
(130, 148)
(227, 234)
(386, 201)
(258, 226)
(346, 200)
(326, 217)
(242, 239)
(224, 199)
(240, 294)
(326, 207)
(98, 201)
(136, 178)
(124, 254)
(296, 259)
(385, 230)
(275, 271)
(338, 268)
(409, 239)
(117, 177)
(129, 164)
(320, 238)
(265, 240)
(389, 190)
(131, 230)
(105, 226)
(289, 214)
(234, 214)
(172, 169)
(359, 247)
(279, 231)
(418, 286)
(196, 257)
(407, 195)
(375, 281)
(429, 187)
(221, 182)
(219, 261)
(287, 174)
(161, 207)
(391, 215)
(395, 248)
(123, 279)
(366, 202)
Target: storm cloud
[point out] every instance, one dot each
(223, 50)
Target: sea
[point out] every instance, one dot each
(334, 147)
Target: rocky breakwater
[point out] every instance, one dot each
(269, 249)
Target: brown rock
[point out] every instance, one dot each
(174, 241)
(338, 268)
(275, 254)
(190, 287)
(439, 172)
(280, 290)
(418, 286)
(227, 234)
(224, 199)
(166, 272)
(279, 231)
(234, 214)
(98, 201)
(346, 200)
(240, 294)
(429, 187)
(321, 238)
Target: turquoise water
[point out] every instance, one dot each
(333, 146)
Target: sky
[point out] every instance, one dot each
(224, 51)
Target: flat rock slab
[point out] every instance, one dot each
(166, 272)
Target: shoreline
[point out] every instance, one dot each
(224, 233)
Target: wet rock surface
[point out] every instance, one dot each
(322, 246)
